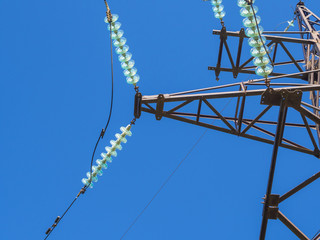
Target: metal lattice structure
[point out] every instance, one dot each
(297, 91)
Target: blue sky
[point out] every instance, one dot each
(54, 101)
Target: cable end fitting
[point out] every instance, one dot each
(109, 15)
(48, 231)
(82, 191)
(103, 131)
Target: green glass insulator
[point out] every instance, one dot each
(243, 3)
(126, 131)
(264, 71)
(123, 139)
(99, 169)
(290, 23)
(251, 22)
(85, 181)
(261, 61)
(96, 170)
(128, 65)
(220, 15)
(119, 42)
(257, 42)
(122, 50)
(111, 151)
(218, 8)
(125, 57)
(130, 72)
(254, 32)
(133, 80)
(117, 34)
(106, 157)
(115, 17)
(102, 163)
(114, 26)
(94, 178)
(247, 12)
(115, 144)
(216, 2)
(258, 52)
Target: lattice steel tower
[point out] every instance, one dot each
(296, 91)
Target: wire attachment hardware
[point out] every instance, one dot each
(109, 15)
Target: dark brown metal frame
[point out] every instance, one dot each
(281, 94)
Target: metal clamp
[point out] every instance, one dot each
(160, 105)
(137, 105)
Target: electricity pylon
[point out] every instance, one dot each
(296, 91)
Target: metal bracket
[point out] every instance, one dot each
(160, 104)
(273, 208)
(137, 105)
(273, 98)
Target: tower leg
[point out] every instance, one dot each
(278, 138)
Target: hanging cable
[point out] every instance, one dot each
(83, 190)
(168, 178)
(103, 131)
(58, 219)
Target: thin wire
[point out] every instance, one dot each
(110, 112)
(82, 191)
(168, 178)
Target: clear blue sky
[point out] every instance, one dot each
(55, 90)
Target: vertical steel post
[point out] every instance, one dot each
(278, 139)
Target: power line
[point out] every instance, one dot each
(168, 178)
(58, 219)
(111, 105)
(83, 190)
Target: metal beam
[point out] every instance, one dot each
(278, 139)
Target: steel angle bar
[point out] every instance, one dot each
(216, 95)
(180, 117)
(246, 71)
(299, 187)
(236, 118)
(317, 237)
(278, 64)
(245, 83)
(251, 58)
(273, 135)
(287, 32)
(270, 37)
(277, 141)
(256, 119)
(149, 106)
(277, 84)
(315, 118)
(219, 115)
(180, 106)
(290, 56)
(291, 226)
(304, 21)
(310, 133)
